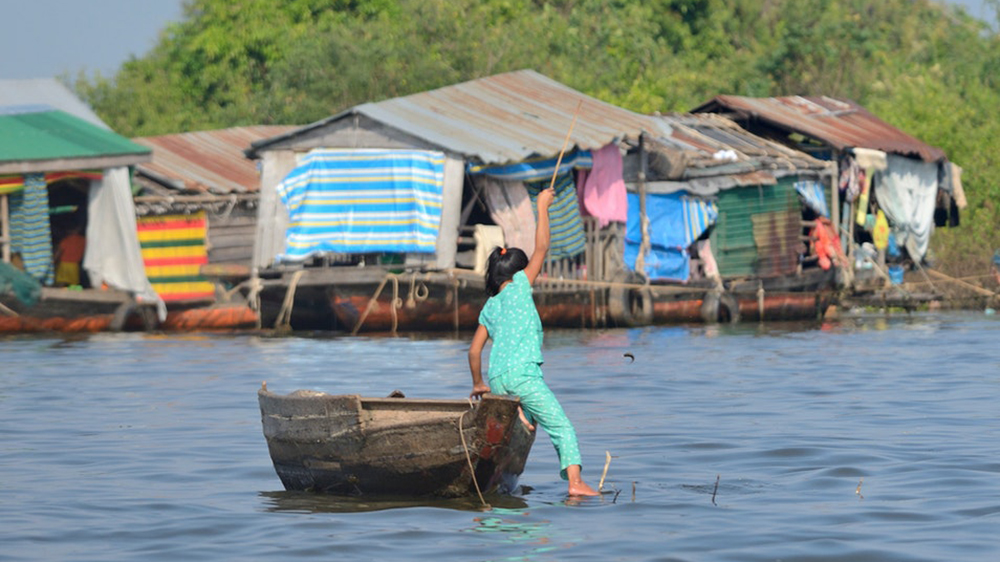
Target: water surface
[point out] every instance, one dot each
(873, 438)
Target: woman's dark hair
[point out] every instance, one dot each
(501, 266)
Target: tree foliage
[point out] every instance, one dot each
(927, 68)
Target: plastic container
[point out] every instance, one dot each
(895, 274)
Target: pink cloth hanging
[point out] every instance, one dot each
(604, 194)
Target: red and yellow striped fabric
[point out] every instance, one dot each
(173, 251)
(11, 184)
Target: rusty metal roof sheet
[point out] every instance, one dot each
(498, 119)
(207, 161)
(840, 123)
(704, 137)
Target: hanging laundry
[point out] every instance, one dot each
(30, 231)
(512, 210)
(826, 245)
(566, 234)
(850, 181)
(880, 233)
(604, 195)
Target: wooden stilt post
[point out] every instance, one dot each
(5, 228)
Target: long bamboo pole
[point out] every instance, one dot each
(565, 144)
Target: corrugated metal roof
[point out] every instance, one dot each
(27, 138)
(49, 92)
(207, 161)
(702, 137)
(840, 123)
(499, 119)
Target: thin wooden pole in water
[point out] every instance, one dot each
(5, 226)
(607, 463)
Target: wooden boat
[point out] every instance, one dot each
(90, 311)
(350, 445)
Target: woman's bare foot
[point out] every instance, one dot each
(524, 419)
(582, 489)
(577, 487)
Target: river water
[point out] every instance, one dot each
(870, 438)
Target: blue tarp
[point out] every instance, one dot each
(535, 169)
(676, 220)
(363, 200)
(813, 195)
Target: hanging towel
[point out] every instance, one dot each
(487, 236)
(907, 193)
(604, 195)
(565, 225)
(511, 208)
(30, 232)
(871, 160)
(958, 192)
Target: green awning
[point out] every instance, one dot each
(51, 140)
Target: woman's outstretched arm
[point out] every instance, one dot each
(534, 266)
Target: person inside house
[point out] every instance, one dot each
(69, 256)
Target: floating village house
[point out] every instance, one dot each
(63, 170)
(197, 215)
(381, 217)
(730, 218)
(418, 190)
(892, 189)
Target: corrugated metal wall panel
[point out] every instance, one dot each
(733, 242)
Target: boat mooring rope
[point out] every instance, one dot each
(468, 458)
(396, 303)
(284, 320)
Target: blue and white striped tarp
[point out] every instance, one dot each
(812, 193)
(699, 214)
(363, 200)
(534, 169)
(30, 232)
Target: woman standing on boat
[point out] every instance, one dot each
(510, 318)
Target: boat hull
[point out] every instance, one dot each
(350, 445)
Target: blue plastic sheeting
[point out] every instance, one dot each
(534, 169)
(363, 200)
(676, 220)
(813, 195)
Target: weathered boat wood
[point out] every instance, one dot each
(350, 445)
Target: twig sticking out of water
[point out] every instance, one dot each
(615, 500)
(858, 489)
(633, 492)
(607, 463)
(716, 490)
